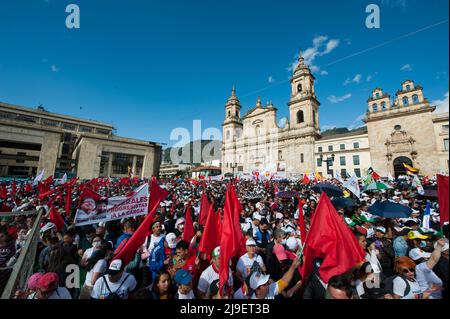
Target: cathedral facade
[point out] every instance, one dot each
(405, 130)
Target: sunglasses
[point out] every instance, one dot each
(407, 270)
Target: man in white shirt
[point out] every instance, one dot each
(246, 263)
(117, 284)
(211, 274)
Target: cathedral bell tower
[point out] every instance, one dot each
(232, 129)
(303, 104)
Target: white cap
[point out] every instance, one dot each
(116, 265)
(292, 243)
(395, 197)
(250, 242)
(417, 253)
(179, 221)
(381, 229)
(279, 216)
(258, 279)
(171, 240)
(257, 216)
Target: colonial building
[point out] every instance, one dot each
(404, 131)
(32, 140)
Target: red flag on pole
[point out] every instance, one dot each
(210, 238)
(56, 218)
(219, 226)
(28, 188)
(189, 231)
(126, 254)
(301, 221)
(68, 201)
(204, 209)
(14, 190)
(305, 179)
(332, 240)
(442, 188)
(231, 234)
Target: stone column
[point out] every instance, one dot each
(133, 167)
(49, 154)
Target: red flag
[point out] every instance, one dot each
(189, 230)
(3, 192)
(14, 190)
(210, 238)
(47, 194)
(56, 218)
(301, 222)
(87, 192)
(305, 179)
(442, 187)
(219, 226)
(332, 240)
(28, 188)
(204, 209)
(275, 188)
(48, 181)
(231, 234)
(157, 194)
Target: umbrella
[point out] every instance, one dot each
(287, 194)
(376, 186)
(330, 190)
(389, 209)
(342, 202)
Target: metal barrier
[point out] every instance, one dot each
(23, 268)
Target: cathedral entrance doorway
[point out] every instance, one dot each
(399, 169)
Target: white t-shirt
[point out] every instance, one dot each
(400, 288)
(244, 265)
(154, 240)
(190, 295)
(99, 267)
(272, 291)
(208, 276)
(426, 278)
(100, 290)
(88, 253)
(60, 293)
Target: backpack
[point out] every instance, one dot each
(389, 285)
(114, 295)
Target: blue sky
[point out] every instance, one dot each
(151, 66)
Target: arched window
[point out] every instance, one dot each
(377, 95)
(257, 130)
(280, 155)
(300, 117)
(383, 106)
(415, 99)
(408, 87)
(375, 107)
(228, 135)
(405, 101)
(229, 113)
(237, 113)
(314, 118)
(299, 88)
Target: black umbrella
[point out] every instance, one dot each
(343, 202)
(287, 194)
(388, 209)
(330, 190)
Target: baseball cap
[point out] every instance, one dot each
(216, 252)
(171, 240)
(32, 282)
(258, 279)
(381, 229)
(257, 216)
(416, 235)
(183, 277)
(279, 251)
(47, 226)
(250, 242)
(417, 253)
(115, 266)
(48, 281)
(279, 216)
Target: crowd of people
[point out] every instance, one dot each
(403, 259)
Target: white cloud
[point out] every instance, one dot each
(54, 68)
(338, 99)
(369, 78)
(321, 46)
(270, 79)
(440, 75)
(441, 105)
(357, 122)
(328, 127)
(323, 72)
(356, 79)
(406, 68)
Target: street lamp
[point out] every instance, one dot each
(233, 166)
(329, 161)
